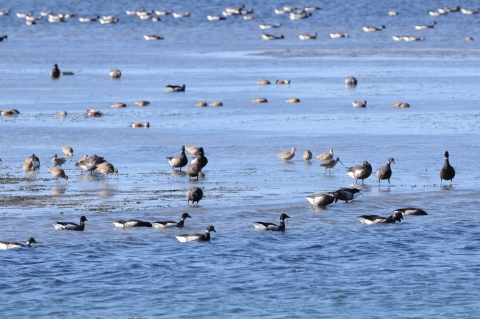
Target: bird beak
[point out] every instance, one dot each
(342, 164)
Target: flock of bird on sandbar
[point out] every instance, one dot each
(195, 194)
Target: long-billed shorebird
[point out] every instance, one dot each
(67, 150)
(58, 173)
(58, 161)
(325, 156)
(106, 168)
(287, 155)
(329, 164)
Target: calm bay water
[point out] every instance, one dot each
(326, 264)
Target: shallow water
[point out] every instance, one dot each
(326, 264)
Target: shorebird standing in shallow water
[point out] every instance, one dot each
(325, 156)
(329, 164)
(385, 172)
(4, 245)
(178, 160)
(307, 155)
(287, 155)
(31, 164)
(448, 172)
(67, 150)
(58, 161)
(71, 226)
(106, 168)
(58, 173)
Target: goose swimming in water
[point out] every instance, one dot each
(392, 13)
(169, 223)
(373, 29)
(271, 37)
(196, 237)
(321, 199)
(337, 35)
(4, 245)
(307, 36)
(346, 194)
(375, 219)
(71, 226)
(410, 211)
(385, 172)
(153, 37)
(469, 11)
(195, 194)
(360, 171)
(131, 223)
(215, 18)
(175, 88)
(425, 26)
(3, 38)
(283, 81)
(359, 104)
(412, 38)
(88, 19)
(447, 172)
(178, 160)
(287, 155)
(271, 226)
(269, 26)
(180, 15)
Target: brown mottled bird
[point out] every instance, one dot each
(58, 161)
(57, 173)
(106, 168)
(287, 155)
